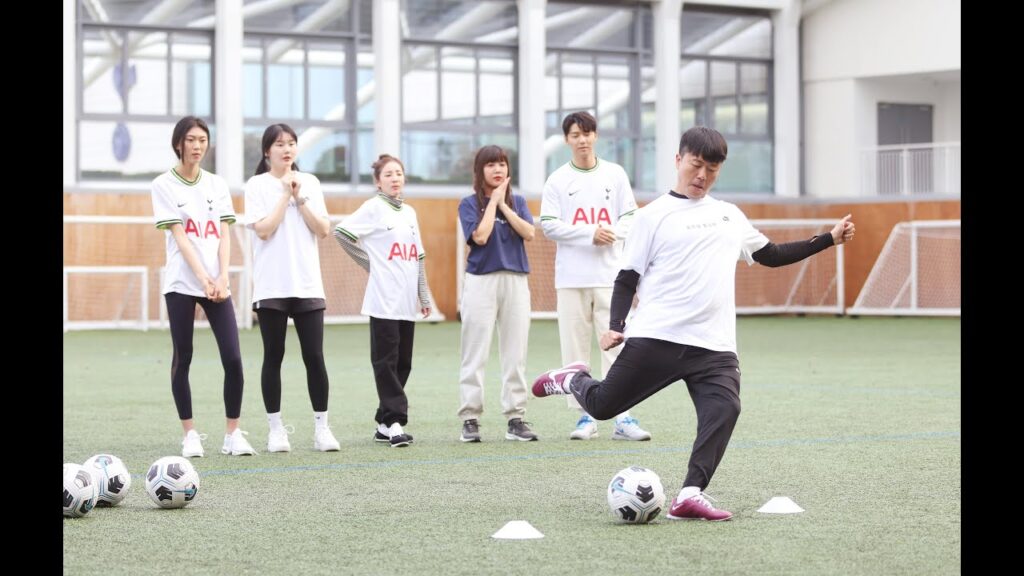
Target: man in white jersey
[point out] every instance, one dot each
(587, 210)
(682, 253)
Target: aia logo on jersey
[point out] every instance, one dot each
(403, 252)
(192, 229)
(596, 217)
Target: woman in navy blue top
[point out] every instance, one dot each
(495, 292)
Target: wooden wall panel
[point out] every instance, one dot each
(138, 245)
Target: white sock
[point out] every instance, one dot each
(687, 492)
(622, 416)
(275, 420)
(320, 418)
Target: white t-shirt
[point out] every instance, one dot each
(575, 201)
(287, 265)
(685, 252)
(199, 207)
(391, 238)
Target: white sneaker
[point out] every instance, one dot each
(192, 445)
(586, 429)
(324, 440)
(628, 428)
(277, 440)
(235, 444)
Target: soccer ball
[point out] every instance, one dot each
(172, 482)
(80, 490)
(112, 477)
(635, 495)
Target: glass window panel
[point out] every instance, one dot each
(313, 16)
(582, 26)
(101, 52)
(457, 20)
(648, 168)
(577, 83)
(559, 155)
(497, 83)
(725, 34)
(613, 93)
(754, 98)
(327, 81)
(367, 156)
(252, 78)
(197, 14)
(146, 80)
(365, 87)
(458, 84)
(192, 76)
(128, 151)
(419, 86)
(748, 168)
(438, 157)
(723, 91)
(285, 91)
(618, 150)
(325, 153)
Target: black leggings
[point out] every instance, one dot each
(181, 313)
(645, 366)
(310, 328)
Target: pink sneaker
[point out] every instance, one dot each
(696, 508)
(557, 381)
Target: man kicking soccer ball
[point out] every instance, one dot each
(681, 255)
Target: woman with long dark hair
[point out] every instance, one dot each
(193, 208)
(286, 209)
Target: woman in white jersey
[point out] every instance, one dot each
(194, 209)
(496, 223)
(383, 236)
(286, 209)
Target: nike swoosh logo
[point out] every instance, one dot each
(573, 192)
(390, 227)
(180, 205)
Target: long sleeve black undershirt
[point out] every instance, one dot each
(771, 255)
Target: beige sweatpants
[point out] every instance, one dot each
(502, 300)
(582, 312)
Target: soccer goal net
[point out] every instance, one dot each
(113, 269)
(917, 272)
(814, 285)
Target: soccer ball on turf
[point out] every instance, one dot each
(80, 490)
(172, 482)
(635, 495)
(112, 477)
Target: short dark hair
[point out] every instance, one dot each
(583, 119)
(704, 142)
(270, 135)
(181, 129)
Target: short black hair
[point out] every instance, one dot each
(704, 142)
(181, 129)
(583, 119)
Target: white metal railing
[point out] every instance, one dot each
(909, 169)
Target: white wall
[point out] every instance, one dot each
(858, 38)
(857, 53)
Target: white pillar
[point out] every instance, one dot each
(227, 81)
(786, 99)
(70, 94)
(532, 51)
(387, 76)
(667, 14)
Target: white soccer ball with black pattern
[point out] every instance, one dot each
(80, 490)
(112, 477)
(636, 495)
(172, 482)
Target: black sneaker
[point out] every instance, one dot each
(470, 431)
(398, 438)
(381, 434)
(518, 430)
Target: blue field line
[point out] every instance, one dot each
(739, 445)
